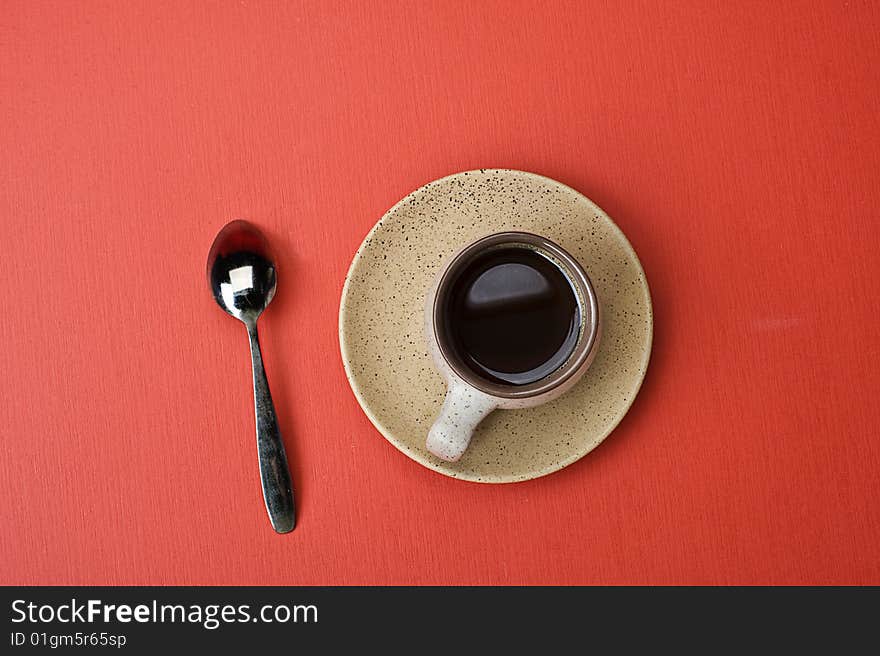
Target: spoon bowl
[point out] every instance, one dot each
(240, 271)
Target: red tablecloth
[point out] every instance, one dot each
(736, 144)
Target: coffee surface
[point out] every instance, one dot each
(512, 316)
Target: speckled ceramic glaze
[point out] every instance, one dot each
(381, 322)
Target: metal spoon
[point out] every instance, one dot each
(242, 278)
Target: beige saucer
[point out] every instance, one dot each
(381, 319)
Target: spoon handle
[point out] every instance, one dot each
(274, 473)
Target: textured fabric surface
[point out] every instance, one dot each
(736, 144)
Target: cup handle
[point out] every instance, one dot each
(463, 408)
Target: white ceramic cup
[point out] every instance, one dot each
(470, 397)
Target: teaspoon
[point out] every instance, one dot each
(242, 279)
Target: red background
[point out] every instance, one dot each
(736, 144)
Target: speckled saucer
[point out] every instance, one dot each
(381, 319)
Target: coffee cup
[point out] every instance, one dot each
(511, 321)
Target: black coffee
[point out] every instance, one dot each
(512, 317)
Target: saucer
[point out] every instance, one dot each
(381, 318)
